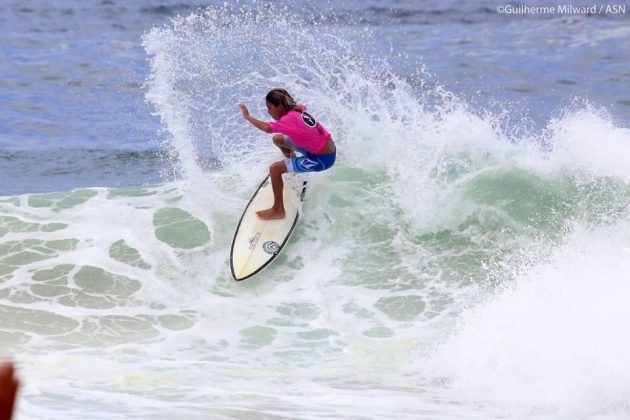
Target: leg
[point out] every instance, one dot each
(278, 140)
(277, 211)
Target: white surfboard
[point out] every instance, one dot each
(258, 242)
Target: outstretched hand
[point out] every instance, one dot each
(261, 125)
(244, 110)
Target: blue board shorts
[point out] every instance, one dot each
(310, 162)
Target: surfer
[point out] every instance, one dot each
(295, 130)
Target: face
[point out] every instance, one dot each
(276, 112)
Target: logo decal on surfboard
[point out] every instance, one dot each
(271, 247)
(254, 240)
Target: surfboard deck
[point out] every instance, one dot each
(258, 242)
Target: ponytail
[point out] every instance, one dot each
(279, 96)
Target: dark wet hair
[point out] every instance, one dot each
(279, 97)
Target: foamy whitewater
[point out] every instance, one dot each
(454, 264)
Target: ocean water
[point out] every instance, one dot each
(467, 257)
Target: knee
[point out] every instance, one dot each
(277, 168)
(278, 139)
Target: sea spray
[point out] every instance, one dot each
(554, 338)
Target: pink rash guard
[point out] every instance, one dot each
(303, 130)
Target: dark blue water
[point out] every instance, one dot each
(72, 73)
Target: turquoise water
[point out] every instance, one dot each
(120, 301)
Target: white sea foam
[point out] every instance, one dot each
(555, 338)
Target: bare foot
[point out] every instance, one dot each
(271, 214)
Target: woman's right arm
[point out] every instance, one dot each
(261, 125)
